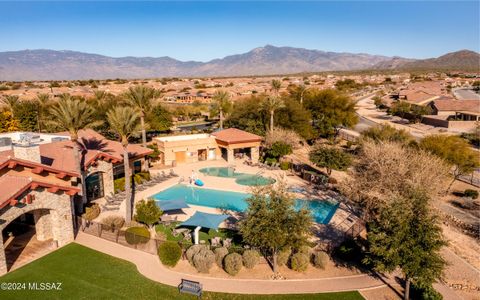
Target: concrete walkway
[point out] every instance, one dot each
(150, 266)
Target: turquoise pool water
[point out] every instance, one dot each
(240, 178)
(322, 211)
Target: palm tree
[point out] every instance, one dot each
(125, 123)
(140, 97)
(276, 85)
(42, 101)
(271, 104)
(73, 115)
(222, 103)
(11, 101)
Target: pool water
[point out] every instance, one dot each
(322, 211)
(241, 178)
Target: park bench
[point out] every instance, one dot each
(190, 287)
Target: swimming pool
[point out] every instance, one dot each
(322, 211)
(240, 178)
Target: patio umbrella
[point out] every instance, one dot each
(201, 219)
(166, 205)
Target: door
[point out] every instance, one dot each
(180, 157)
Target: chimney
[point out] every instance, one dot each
(27, 150)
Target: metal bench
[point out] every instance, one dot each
(190, 287)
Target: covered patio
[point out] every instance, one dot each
(235, 143)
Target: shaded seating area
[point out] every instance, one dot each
(204, 220)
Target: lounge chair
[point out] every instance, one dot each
(215, 242)
(178, 231)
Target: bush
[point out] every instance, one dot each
(284, 165)
(471, 193)
(270, 161)
(169, 253)
(147, 212)
(283, 256)
(425, 292)
(119, 185)
(348, 250)
(203, 260)
(137, 235)
(233, 263)
(91, 212)
(279, 149)
(220, 254)
(113, 222)
(304, 250)
(191, 251)
(250, 258)
(299, 262)
(320, 259)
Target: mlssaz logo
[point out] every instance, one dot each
(45, 286)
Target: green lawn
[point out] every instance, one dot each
(88, 274)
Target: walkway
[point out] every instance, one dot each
(150, 266)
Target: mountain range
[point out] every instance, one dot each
(267, 60)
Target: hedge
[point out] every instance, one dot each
(169, 253)
(137, 235)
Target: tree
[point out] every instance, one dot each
(140, 97)
(125, 123)
(385, 132)
(147, 212)
(271, 104)
(222, 104)
(43, 101)
(26, 112)
(276, 86)
(73, 115)
(407, 236)
(11, 101)
(383, 171)
(455, 151)
(401, 109)
(476, 85)
(330, 110)
(279, 149)
(330, 158)
(272, 222)
(246, 115)
(7, 122)
(159, 118)
(294, 116)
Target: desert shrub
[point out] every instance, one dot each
(91, 212)
(203, 260)
(348, 250)
(284, 165)
(283, 256)
(250, 258)
(233, 263)
(332, 180)
(299, 262)
(425, 292)
(286, 136)
(270, 161)
(320, 259)
(191, 251)
(279, 149)
(119, 185)
(137, 235)
(304, 250)
(113, 222)
(220, 254)
(471, 193)
(169, 253)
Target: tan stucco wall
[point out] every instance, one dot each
(169, 149)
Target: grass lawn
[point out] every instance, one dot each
(88, 274)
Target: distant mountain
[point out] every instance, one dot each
(459, 60)
(57, 65)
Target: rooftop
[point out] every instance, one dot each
(234, 136)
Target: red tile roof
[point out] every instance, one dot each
(11, 186)
(235, 136)
(457, 105)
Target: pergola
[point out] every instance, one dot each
(232, 139)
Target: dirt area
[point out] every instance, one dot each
(263, 271)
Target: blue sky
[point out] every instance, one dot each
(206, 30)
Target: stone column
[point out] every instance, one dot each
(255, 154)
(43, 224)
(3, 259)
(62, 223)
(230, 156)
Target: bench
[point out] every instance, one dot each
(190, 287)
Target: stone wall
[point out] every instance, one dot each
(106, 169)
(53, 214)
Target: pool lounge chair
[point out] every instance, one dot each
(215, 242)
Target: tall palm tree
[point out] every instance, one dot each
(73, 115)
(42, 101)
(125, 123)
(271, 104)
(140, 97)
(276, 85)
(222, 103)
(11, 101)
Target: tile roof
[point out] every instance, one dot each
(234, 136)
(457, 105)
(12, 185)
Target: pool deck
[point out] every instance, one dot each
(341, 222)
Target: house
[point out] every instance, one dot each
(42, 187)
(456, 115)
(225, 144)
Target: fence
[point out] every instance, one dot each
(119, 236)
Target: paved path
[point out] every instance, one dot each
(150, 266)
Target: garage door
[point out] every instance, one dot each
(180, 157)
